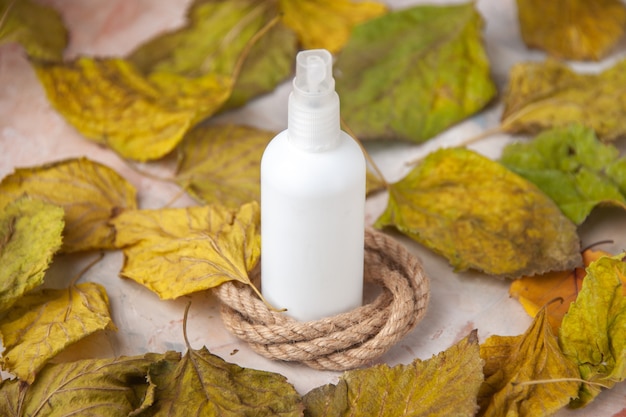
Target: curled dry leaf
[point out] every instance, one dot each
(573, 168)
(541, 96)
(175, 252)
(46, 321)
(572, 29)
(38, 28)
(411, 74)
(221, 164)
(327, 23)
(593, 332)
(445, 385)
(482, 216)
(30, 234)
(90, 193)
(526, 375)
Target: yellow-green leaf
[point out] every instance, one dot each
(327, 23)
(102, 387)
(38, 28)
(572, 29)
(519, 371)
(46, 321)
(221, 164)
(445, 385)
(202, 384)
(175, 252)
(90, 193)
(593, 332)
(413, 73)
(140, 117)
(540, 96)
(30, 234)
(479, 215)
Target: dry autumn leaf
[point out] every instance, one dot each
(541, 96)
(445, 385)
(479, 215)
(593, 332)
(30, 234)
(526, 375)
(572, 29)
(411, 74)
(90, 193)
(573, 168)
(175, 252)
(102, 387)
(46, 321)
(327, 24)
(38, 28)
(140, 117)
(221, 164)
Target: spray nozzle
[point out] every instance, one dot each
(314, 72)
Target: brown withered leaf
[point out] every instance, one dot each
(175, 252)
(543, 95)
(91, 194)
(572, 29)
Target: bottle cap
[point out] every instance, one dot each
(313, 111)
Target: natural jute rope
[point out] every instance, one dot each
(347, 340)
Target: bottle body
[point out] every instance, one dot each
(312, 227)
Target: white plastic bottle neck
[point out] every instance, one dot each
(313, 121)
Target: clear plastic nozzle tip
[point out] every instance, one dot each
(314, 74)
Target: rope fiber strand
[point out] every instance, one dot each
(345, 341)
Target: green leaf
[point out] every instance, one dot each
(479, 215)
(572, 167)
(526, 375)
(46, 321)
(411, 74)
(30, 234)
(445, 385)
(90, 193)
(38, 28)
(541, 96)
(202, 384)
(593, 332)
(221, 164)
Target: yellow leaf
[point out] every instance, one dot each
(327, 23)
(47, 321)
(221, 164)
(90, 193)
(175, 252)
(140, 117)
(572, 29)
(30, 234)
(519, 371)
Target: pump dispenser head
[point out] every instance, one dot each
(313, 112)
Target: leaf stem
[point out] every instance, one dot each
(556, 380)
(146, 174)
(594, 244)
(86, 268)
(368, 157)
(253, 40)
(6, 13)
(185, 317)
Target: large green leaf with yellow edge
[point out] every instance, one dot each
(526, 375)
(175, 252)
(445, 385)
(202, 384)
(90, 193)
(92, 387)
(221, 164)
(593, 332)
(572, 167)
(413, 73)
(38, 28)
(140, 117)
(44, 322)
(482, 216)
(327, 24)
(30, 234)
(572, 29)
(542, 95)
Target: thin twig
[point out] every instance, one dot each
(368, 157)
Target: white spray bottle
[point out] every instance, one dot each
(313, 202)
